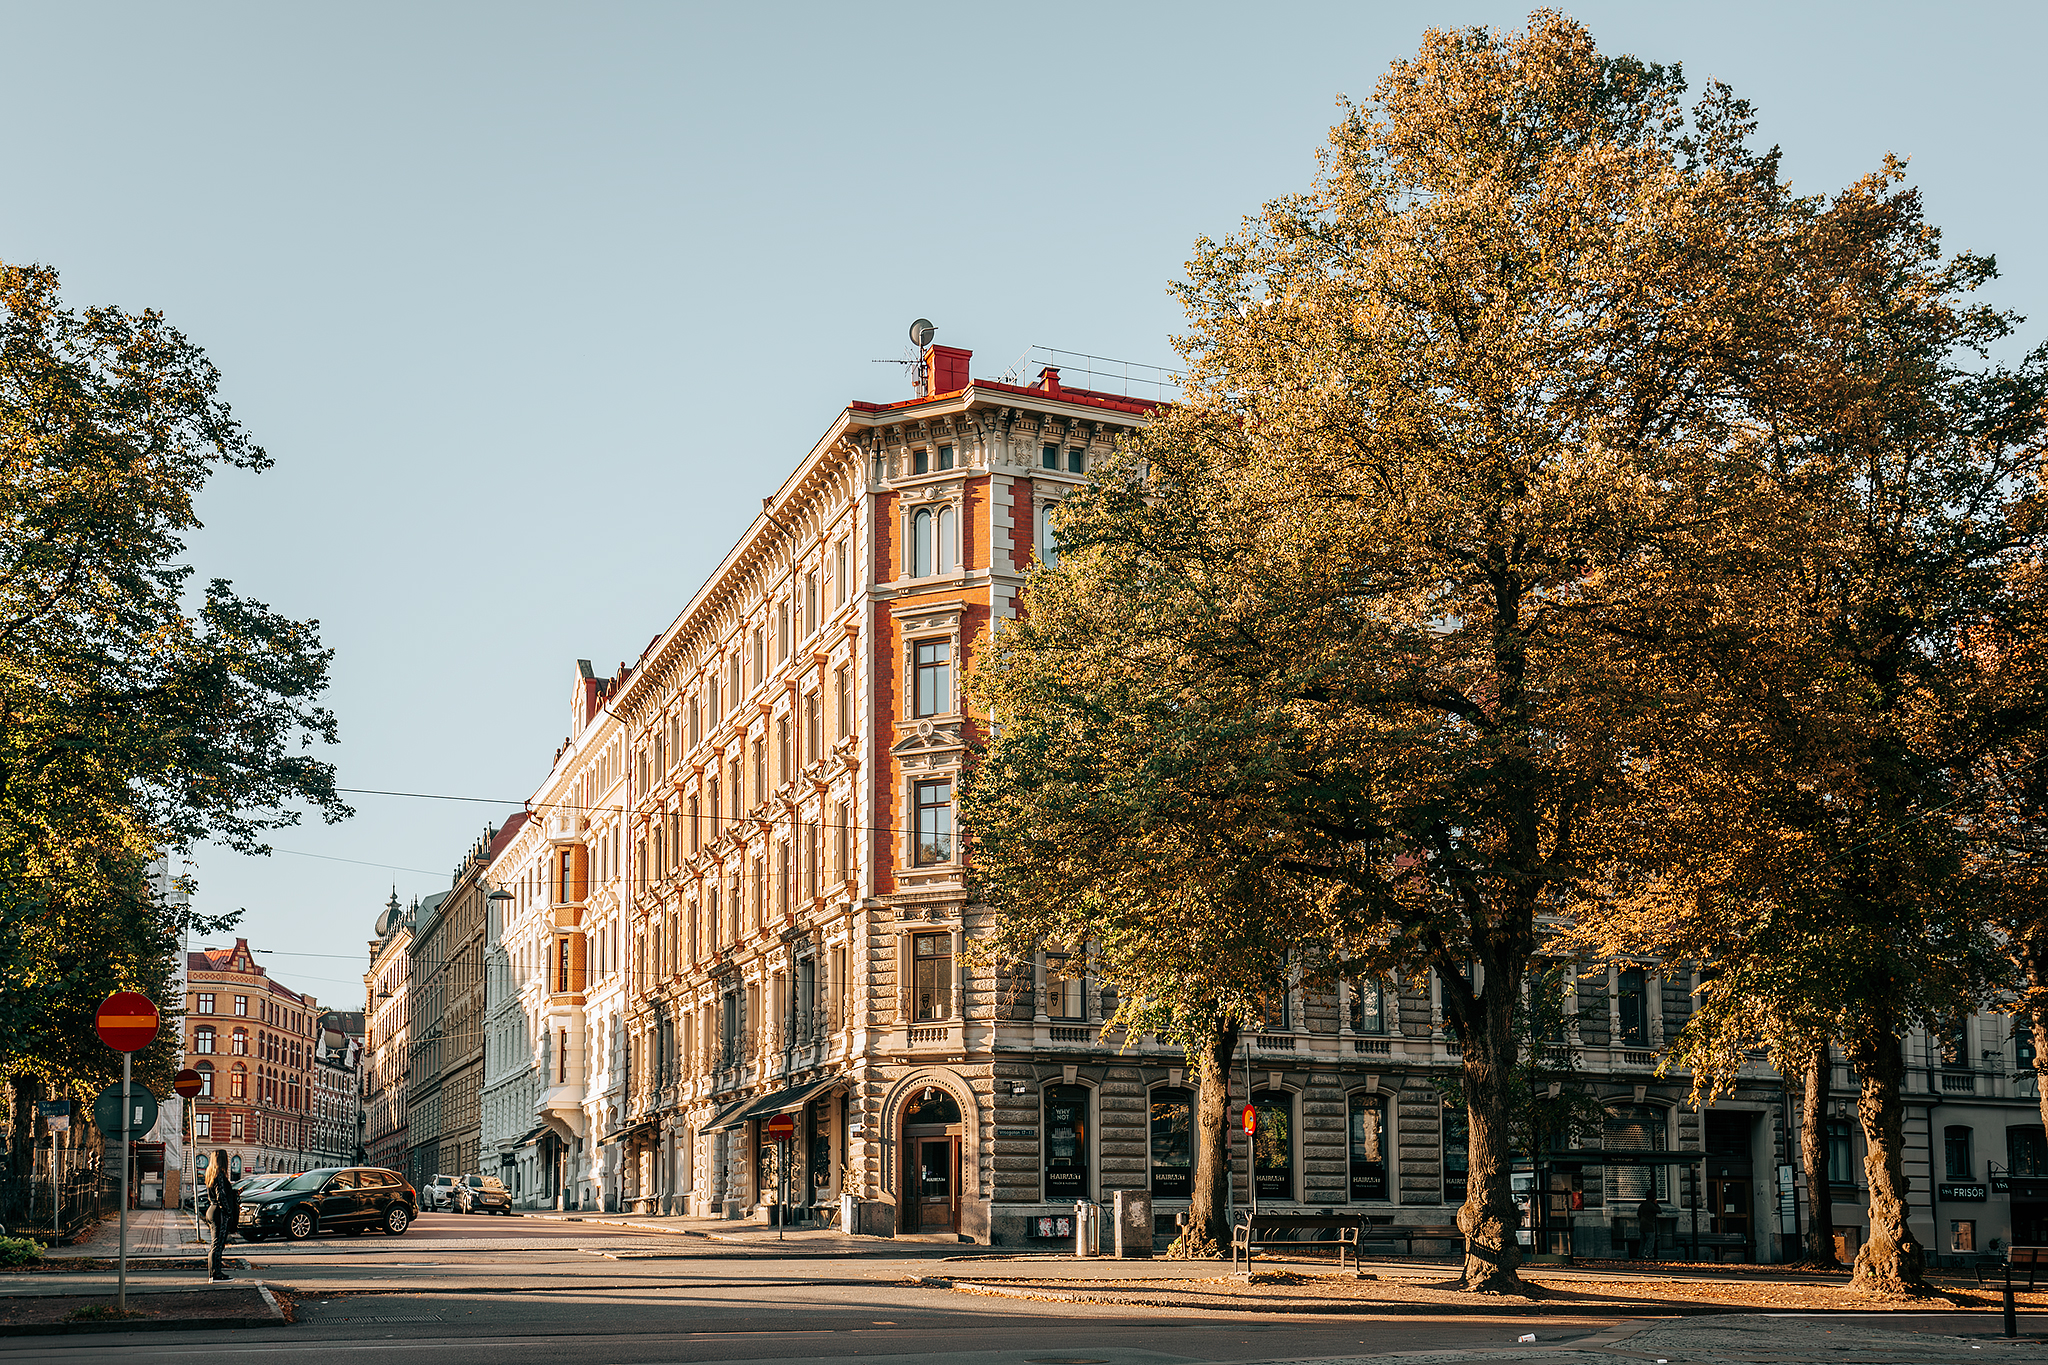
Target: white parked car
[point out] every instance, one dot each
(438, 1193)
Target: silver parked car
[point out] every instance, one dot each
(438, 1193)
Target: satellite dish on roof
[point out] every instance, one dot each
(922, 332)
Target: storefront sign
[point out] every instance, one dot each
(1998, 1185)
(1965, 1193)
(1016, 1132)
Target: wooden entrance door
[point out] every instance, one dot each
(1729, 1201)
(935, 1181)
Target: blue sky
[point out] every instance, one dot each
(532, 304)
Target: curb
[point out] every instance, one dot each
(53, 1329)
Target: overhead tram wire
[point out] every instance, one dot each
(532, 806)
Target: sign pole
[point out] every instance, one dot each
(121, 1297)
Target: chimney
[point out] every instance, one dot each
(1049, 380)
(945, 370)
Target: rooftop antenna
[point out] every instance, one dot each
(921, 333)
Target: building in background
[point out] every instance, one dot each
(387, 1038)
(510, 1130)
(445, 1084)
(560, 992)
(337, 1089)
(250, 1038)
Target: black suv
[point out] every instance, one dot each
(351, 1200)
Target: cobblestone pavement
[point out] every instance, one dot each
(1759, 1339)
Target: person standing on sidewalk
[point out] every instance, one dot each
(223, 1211)
(1647, 1214)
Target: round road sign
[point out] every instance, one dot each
(106, 1110)
(126, 1022)
(781, 1128)
(187, 1083)
(1251, 1119)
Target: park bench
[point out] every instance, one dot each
(1256, 1230)
(2033, 1259)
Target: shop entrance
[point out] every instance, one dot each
(931, 1163)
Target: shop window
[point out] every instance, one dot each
(934, 804)
(932, 975)
(1066, 1142)
(1173, 1143)
(1955, 1146)
(1841, 1153)
(1368, 1007)
(1273, 1145)
(1635, 1128)
(1457, 1156)
(933, 662)
(1368, 1142)
(1635, 1028)
(2026, 1151)
(1962, 1234)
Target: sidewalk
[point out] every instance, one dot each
(151, 1232)
(810, 1240)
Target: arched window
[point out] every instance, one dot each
(1273, 1145)
(241, 1042)
(205, 1080)
(238, 1083)
(1368, 1142)
(1173, 1143)
(948, 541)
(1066, 1142)
(921, 544)
(1048, 543)
(202, 1039)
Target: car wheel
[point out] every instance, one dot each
(396, 1220)
(299, 1225)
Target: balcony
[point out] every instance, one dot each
(1958, 1082)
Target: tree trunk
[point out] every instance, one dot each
(2037, 1023)
(1813, 1154)
(1209, 1203)
(1890, 1262)
(1490, 1216)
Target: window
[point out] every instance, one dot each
(842, 694)
(949, 556)
(945, 457)
(1368, 1007)
(238, 1084)
(1841, 1153)
(931, 976)
(236, 1127)
(1173, 1143)
(921, 461)
(1064, 998)
(2023, 1049)
(562, 965)
(839, 574)
(202, 1039)
(934, 807)
(1368, 1134)
(1066, 1142)
(711, 799)
(1077, 460)
(240, 1042)
(205, 1003)
(760, 655)
(1634, 1018)
(202, 1124)
(782, 632)
(810, 604)
(1955, 1046)
(921, 543)
(934, 668)
(785, 768)
(1276, 1017)
(760, 771)
(2026, 1151)
(206, 1080)
(242, 1005)
(814, 737)
(1955, 1146)
(1635, 1128)
(1962, 1234)
(1049, 456)
(1048, 543)
(1273, 1145)
(1457, 1155)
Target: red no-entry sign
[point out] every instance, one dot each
(127, 1022)
(187, 1083)
(781, 1128)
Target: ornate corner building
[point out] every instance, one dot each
(725, 960)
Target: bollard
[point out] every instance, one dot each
(1087, 1238)
(2012, 1321)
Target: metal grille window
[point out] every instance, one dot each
(934, 805)
(931, 971)
(934, 667)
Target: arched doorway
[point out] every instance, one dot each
(931, 1161)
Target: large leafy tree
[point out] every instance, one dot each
(137, 715)
(1449, 451)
